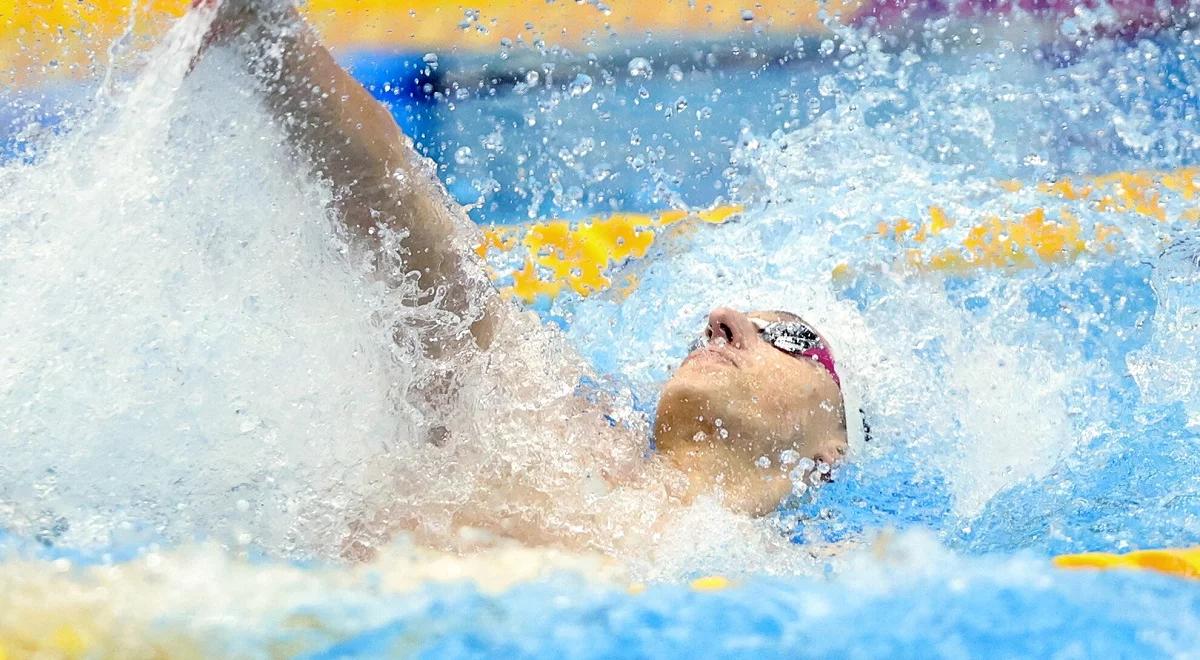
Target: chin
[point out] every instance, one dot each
(690, 397)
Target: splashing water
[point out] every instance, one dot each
(1166, 368)
(187, 350)
(194, 350)
(985, 391)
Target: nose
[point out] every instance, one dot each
(731, 325)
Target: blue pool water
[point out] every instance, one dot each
(1025, 613)
(1016, 413)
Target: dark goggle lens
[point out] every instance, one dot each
(790, 337)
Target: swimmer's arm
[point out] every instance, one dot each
(351, 140)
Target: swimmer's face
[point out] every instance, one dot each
(752, 394)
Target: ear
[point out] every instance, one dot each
(831, 450)
(827, 437)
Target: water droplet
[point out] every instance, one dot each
(747, 15)
(639, 67)
(469, 17)
(463, 156)
(581, 85)
(827, 86)
(675, 73)
(493, 141)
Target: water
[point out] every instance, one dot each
(194, 353)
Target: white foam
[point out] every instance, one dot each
(183, 334)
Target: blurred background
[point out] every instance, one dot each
(562, 108)
(599, 94)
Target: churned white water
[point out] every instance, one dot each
(188, 351)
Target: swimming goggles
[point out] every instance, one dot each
(795, 338)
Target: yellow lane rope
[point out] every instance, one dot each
(558, 256)
(1182, 562)
(41, 38)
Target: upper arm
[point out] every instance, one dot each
(350, 140)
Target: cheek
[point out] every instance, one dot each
(778, 390)
(763, 387)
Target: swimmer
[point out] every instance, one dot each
(755, 384)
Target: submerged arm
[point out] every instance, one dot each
(379, 180)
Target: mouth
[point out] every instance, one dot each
(711, 354)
